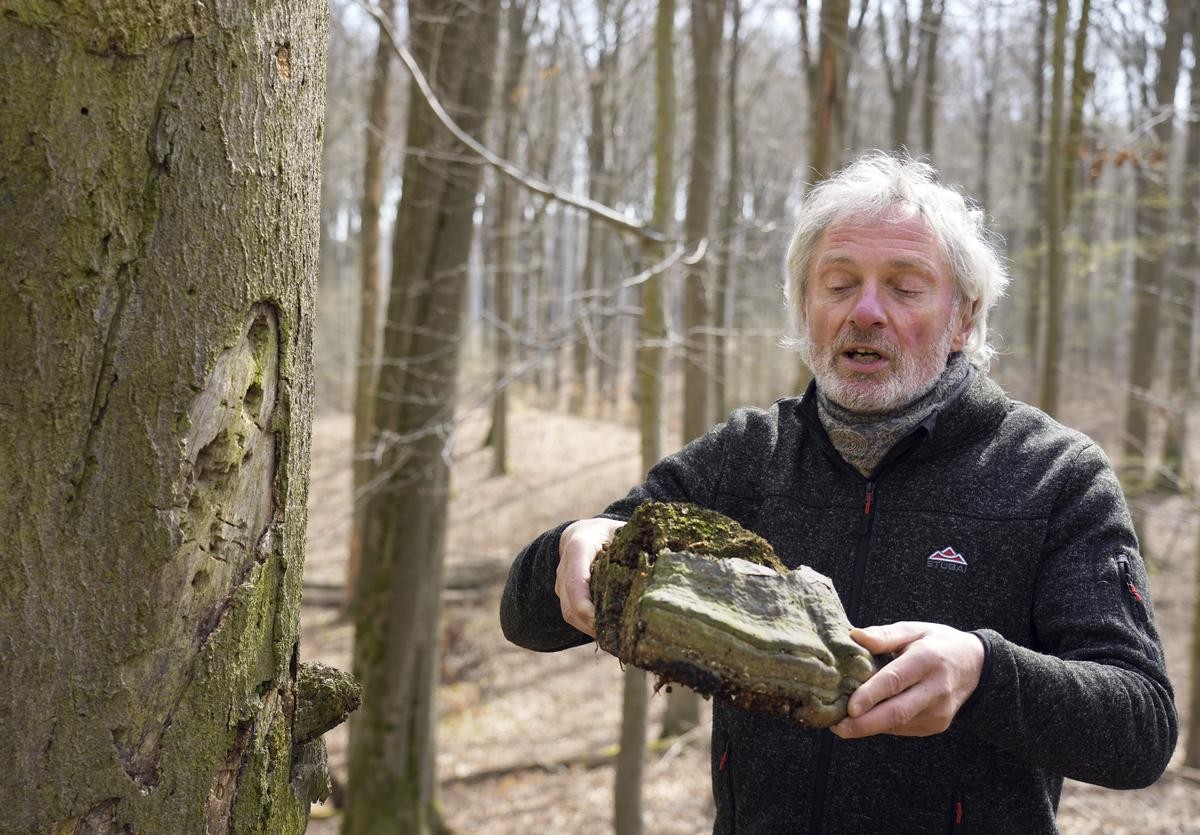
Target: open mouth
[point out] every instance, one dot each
(863, 355)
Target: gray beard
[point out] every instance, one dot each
(863, 439)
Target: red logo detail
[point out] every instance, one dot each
(947, 558)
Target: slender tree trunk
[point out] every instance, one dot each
(829, 103)
(396, 644)
(708, 24)
(931, 30)
(1173, 474)
(374, 168)
(598, 173)
(507, 230)
(1054, 216)
(1035, 243)
(727, 226)
(1151, 225)
(652, 332)
(160, 179)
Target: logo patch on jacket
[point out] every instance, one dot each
(947, 559)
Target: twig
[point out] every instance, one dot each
(505, 167)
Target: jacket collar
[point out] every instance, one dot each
(976, 411)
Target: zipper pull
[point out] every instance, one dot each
(1135, 596)
(870, 498)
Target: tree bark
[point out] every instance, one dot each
(728, 226)
(598, 172)
(627, 797)
(931, 30)
(1151, 225)
(396, 646)
(160, 177)
(828, 105)
(1054, 216)
(1172, 472)
(1037, 196)
(507, 230)
(374, 169)
(708, 25)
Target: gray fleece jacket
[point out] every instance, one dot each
(989, 517)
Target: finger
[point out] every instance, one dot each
(889, 637)
(892, 680)
(899, 715)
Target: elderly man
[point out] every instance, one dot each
(988, 548)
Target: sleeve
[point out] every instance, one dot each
(530, 615)
(1091, 699)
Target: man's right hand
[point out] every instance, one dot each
(578, 546)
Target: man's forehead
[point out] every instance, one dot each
(903, 239)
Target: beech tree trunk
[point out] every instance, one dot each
(1172, 473)
(728, 226)
(507, 230)
(1151, 225)
(374, 168)
(627, 796)
(708, 25)
(1048, 399)
(392, 787)
(1035, 244)
(159, 191)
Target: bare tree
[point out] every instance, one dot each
(1181, 301)
(396, 641)
(507, 230)
(374, 168)
(1151, 225)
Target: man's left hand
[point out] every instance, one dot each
(936, 669)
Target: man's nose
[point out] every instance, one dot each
(868, 307)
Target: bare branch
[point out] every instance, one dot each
(505, 167)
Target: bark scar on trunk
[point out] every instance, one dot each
(225, 512)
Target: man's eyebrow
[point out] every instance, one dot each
(835, 258)
(911, 264)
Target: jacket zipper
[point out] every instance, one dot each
(1136, 603)
(862, 547)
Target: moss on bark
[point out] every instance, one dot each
(159, 195)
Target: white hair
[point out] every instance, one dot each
(876, 185)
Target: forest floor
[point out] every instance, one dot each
(525, 739)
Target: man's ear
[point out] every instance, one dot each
(966, 325)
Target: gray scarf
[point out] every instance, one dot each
(863, 440)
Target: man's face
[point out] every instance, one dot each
(882, 312)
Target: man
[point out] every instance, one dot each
(988, 548)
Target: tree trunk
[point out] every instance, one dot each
(598, 172)
(627, 797)
(1172, 473)
(396, 645)
(1054, 216)
(728, 226)
(708, 24)
(1151, 225)
(931, 30)
(827, 107)
(1037, 197)
(160, 181)
(507, 230)
(374, 168)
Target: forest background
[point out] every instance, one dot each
(508, 253)
(1076, 126)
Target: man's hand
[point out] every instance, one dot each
(918, 694)
(577, 549)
